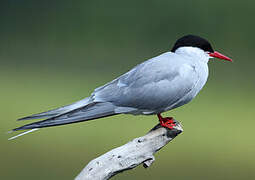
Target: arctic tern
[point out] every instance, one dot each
(159, 84)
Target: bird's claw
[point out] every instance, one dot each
(167, 122)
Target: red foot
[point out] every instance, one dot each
(167, 122)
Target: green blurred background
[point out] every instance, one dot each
(53, 53)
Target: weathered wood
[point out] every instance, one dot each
(139, 150)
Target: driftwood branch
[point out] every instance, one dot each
(139, 150)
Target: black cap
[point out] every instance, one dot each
(193, 41)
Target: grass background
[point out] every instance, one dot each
(56, 52)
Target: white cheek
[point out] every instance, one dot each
(209, 57)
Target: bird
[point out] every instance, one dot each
(157, 85)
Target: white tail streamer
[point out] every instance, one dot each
(21, 134)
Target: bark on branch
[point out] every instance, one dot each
(139, 150)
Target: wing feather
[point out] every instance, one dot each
(152, 86)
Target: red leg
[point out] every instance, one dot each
(167, 122)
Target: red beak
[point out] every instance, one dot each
(220, 56)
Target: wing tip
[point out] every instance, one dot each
(38, 116)
(24, 118)
(9, 132)
(21, 128)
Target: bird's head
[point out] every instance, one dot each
(196, 44)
